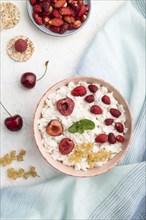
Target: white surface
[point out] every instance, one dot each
(64, 55)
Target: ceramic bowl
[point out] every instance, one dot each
(70, 170)
(51, 33)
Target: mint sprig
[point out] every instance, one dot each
(81, 126)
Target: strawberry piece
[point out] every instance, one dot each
(89, 98)
(115, 112)
(83, 18)
(37, 18)
(80, 3)
(56, 13)
(70, 27)
(93, 88)
(57, 22)
(46, 6)
(46, 20)
(59, 4)
(119, 127)
(111, 138)
(48, 26)
(65, 11)
(33, 2)
(82, 11)
(77, 24)
(79, 91)
(95, 109)
(37, 8)
(87, 7)
(69, 19)
(64, 28)
(66, 145)
(120, 138)
(65, 106)
(75, 7)
(106, 100)
(101, 138)
(55, 29)
(108, 121)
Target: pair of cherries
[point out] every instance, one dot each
(28, 80)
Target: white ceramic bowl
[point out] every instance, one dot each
(70, 170)
(49, 32)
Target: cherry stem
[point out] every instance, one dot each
(5, 108)
(46, 67)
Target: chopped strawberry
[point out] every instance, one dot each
(56, 13)
(37, 8)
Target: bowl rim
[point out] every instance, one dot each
(51, 33)
(82, 78)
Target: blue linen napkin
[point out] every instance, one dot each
(116, 55)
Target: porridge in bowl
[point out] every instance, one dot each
(82, 125)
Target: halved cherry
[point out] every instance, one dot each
(66, 145)
(54, 128)
(65, 106)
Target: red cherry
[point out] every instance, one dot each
(120, 138)
(119, 127)
(66, 145)
(106, 100)
(93, 88)
(14, 123)
(89, 98)
(111, 138)
(101, 138)
(108, 121)
(115, 112)
(95, 109)
(28, 80)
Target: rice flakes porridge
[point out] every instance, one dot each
(82, 125)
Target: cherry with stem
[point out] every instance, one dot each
(12, 123)
(29, 79)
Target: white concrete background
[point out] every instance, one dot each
(64, 55)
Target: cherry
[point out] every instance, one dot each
(13, 123)
(29, 79)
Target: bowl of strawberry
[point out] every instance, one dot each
(59, 17)
(83, 126)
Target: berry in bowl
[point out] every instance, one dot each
(82, 126)
(59, 17)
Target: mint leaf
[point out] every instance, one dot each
(72, 129)
(87, 124)
(81, 126)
